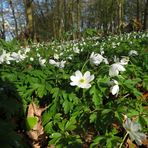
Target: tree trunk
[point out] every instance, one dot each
(3, 24)
(138, 11)
(73, 21)
(145, 25)
(15, 21)
(120, 14)
(78, 18)
(58, 22)
(29, 18)
(65, 16)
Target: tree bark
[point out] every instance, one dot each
(65, 16)
(3, 24)
(78, 18)
(120, 13)
(14, 17)
(29, 18)
(138, 11)
(145, 25)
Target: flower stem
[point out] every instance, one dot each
(83, 95)
(123, 140)
(87, 60)
(84, 65)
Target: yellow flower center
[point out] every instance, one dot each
(82, 80)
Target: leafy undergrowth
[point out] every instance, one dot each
(87, 93)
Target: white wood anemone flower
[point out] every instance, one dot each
(132, 53)
(124, 61)
(56, 56)
(115, 69)
(60, 64)
(52, 62)
(96, 59)
(133, 129)
(42, 61)
(18, 56)
(2, 57)
(80, 80)
(115, 87)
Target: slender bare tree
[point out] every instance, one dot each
(29, 18)
(14, 17)
(2, 25)
(145, 26)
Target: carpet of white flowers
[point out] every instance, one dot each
(92, 92)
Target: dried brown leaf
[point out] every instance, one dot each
(37, 132)
(130, 144)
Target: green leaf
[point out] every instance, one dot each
(145, 82)
(46, 117)
(97, 141)
(31, 122)
(142, 121)
(48, 128)
(40, 89)
(73, 98)
(56, 135)
(67, 106)
(106, 111)
(62, 125)
(133, 112)
(93, 117)
(96, 97)
(70, 125)
(55, 138)
(57, 118)
(56, 92)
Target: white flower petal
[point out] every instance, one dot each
(115, 89)
(113, 72)
(73, 78)
(51, 61)
(115, 69)
(96, 58)
(81, 81)
(87, 74)
(120, 67)
(133, 52)
(84, 85)
(133, 128)
(124, 61)
(91, 78)
(87, 86)
(73, 83)
(78, 74)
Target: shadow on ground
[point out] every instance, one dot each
(12, 118)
